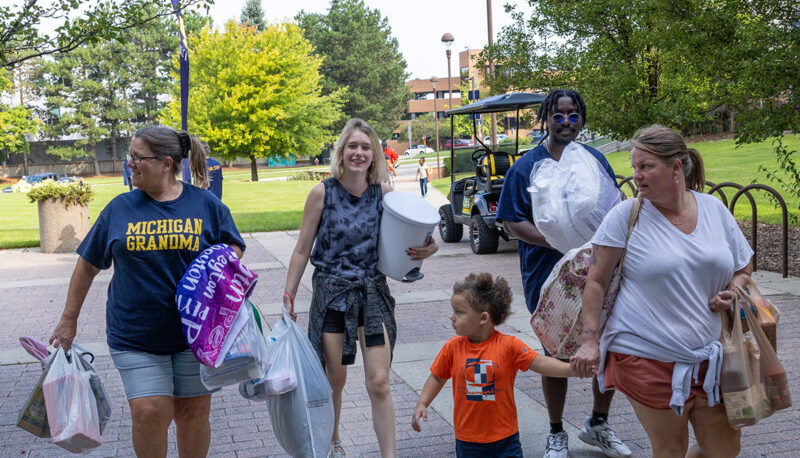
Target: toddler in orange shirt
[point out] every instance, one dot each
(483, 364)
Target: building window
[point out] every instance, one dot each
(464, 73)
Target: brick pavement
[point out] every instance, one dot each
(33, 287)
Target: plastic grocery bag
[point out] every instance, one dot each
(570, 197)
(33, 416)
(278, 378)
(244, 361)
(209, 298)
(71, 405)
(302, 418)
(99, 392)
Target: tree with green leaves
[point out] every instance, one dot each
(256, 94)
(253, 15)
(16, 124)
(640, 62)
(78, 22)
(363, 59)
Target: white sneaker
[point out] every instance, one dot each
(557, 445)
(604, 437)
(337, 451)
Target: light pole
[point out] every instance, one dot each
(447, 39)
(435, 80)
(491, 64)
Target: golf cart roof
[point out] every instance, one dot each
(500, 103)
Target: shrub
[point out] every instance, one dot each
(75, 193)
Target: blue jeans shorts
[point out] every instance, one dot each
(508, 447)
(147, 374)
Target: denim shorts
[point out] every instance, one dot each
(147, 374)
(508, 447)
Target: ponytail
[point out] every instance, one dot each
(695, 173)
(197, 164)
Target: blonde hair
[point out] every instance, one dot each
(378, 171)
(165, 141)
(668, 144)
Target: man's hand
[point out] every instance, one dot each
(64, 333)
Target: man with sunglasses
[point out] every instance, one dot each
(561, 118)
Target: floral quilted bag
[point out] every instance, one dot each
(557, 318)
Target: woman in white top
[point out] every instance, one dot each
(660, 345)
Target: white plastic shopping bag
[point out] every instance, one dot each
(279, 376)
(245, 359)
(70, 403)
(302, 418)
(570, 197)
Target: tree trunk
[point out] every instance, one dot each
(253, 168)
(25, 165)
(95, 163)
(114, 159)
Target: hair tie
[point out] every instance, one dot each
(186, 143)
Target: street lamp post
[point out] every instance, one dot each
(447, 39)
(435, 80)
(491, 64)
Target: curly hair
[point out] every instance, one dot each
(487, 295)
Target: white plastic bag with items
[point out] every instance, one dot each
(570, 197)
(245, 359)
(71, 405)
(302, 418)
(279, 376)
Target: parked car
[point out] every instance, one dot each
(39, 177)
(458, 143)
(500, 137)
(418, 149)
(534, 137)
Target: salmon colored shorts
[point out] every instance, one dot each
(647, 381)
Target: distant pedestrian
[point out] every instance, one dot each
(351, 304)
(214, 172)
(126, 175)
(483, 364)
(422, 176)
(150, 236)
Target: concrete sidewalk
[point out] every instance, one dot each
(33, 287)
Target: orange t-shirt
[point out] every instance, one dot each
(483, 384)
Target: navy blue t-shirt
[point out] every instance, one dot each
(151, 244)
(535, 262)
(215, 177)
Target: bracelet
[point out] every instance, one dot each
(291, 299)
(589, 331)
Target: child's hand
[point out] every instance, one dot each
(420, 412)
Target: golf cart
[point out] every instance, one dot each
(473, 199)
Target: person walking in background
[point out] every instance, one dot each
(563, 114)
(390, 163)
(422, 176)
(214, 172)
(126, 175)
(351, 301)
(685, 257)
(483, 428)
(150, 236)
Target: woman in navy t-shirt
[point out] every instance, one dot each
(150, 236)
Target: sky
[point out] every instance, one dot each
(418, 25)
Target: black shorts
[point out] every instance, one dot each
(334, 324)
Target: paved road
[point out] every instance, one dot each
(33, 287)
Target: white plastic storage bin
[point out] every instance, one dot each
(407, 222)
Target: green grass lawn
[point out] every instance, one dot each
(255, 206)
(723, 162)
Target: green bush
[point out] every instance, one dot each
(75, 193)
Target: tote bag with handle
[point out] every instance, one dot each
(557, 318)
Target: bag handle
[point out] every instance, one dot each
(633, 218)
